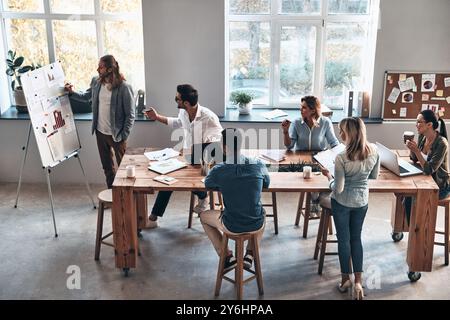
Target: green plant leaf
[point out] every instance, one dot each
(18, 62)
(10, 55)
(10, 63)
(13, 83)
(24, 69)
(10, 72)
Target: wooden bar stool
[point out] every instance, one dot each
(239, 281)
(446, 204)
(305, 211)
(322, 234)
(212, 205)
(104, 202)
(274, 211)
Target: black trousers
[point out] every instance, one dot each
(163, 197)
(106, 145)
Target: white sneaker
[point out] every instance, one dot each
(202, 205)
(151, 224)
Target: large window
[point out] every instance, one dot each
(281, 50)
(76, 33)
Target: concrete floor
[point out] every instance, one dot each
(178, 263)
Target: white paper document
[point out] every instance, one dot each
(403, 112)
(394, 95)
(274, 155)
(428, 82)
(274, 114)
(160, 155)
(166, 166)
(447, 82)
(407, 84)
(326, 158)
(165, 179)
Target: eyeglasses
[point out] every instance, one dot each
(177, 99)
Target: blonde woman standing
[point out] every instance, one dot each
(349, 198)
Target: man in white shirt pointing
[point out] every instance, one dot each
(200, 126)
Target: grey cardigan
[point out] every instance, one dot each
(436, 163)
(122, 108)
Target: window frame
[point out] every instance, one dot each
(277, 20)
(99, 17)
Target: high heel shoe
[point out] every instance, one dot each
(343, 287)
(358, 292)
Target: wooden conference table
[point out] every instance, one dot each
(129, 210)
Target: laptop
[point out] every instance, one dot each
(390, 161)
(205, 152)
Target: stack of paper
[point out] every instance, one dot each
(274, 114)
(166, 166)
(274, 155)
(326, 158)
(159, 155)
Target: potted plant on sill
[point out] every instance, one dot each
(243, 100)
(15, 70)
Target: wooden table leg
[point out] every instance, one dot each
(421, 230)
(124, 227)
(142, 210)
(398, 217)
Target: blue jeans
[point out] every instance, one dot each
(162, 200)
(407, 202)
(349, 222)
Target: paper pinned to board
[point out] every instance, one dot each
(403, 112)
(407, 84)
(394, 95)
(274, 114)
(447, 82)
(424, 106)
(439, 93)
(425, 97)
(428, 82)
(448, 99)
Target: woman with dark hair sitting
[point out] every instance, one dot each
(431, 152)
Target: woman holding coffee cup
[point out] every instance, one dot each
(431, 152)
(350, 197)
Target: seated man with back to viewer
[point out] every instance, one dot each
(240, 180)
(200, 126)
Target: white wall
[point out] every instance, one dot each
(414, 36)
(183, 41)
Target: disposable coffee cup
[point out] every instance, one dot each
(307, 170)
(131, 171)
(408, 135)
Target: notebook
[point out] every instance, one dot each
(274, 155)
(160, 155)
(165, 179)
(166, 166)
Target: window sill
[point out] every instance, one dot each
(231, 115)
(255, 116)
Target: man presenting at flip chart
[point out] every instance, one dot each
(112, 102)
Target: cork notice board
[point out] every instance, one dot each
(407, 93)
